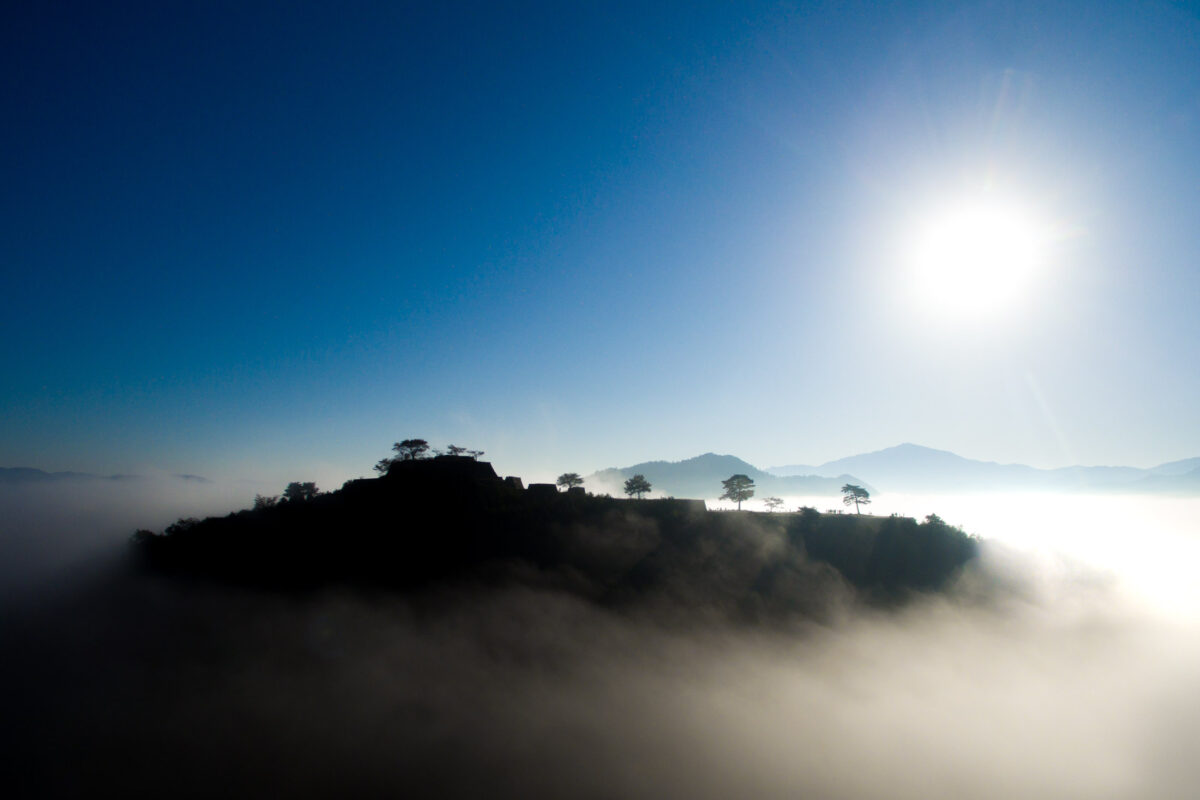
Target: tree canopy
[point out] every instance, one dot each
(407, 450)
(411, 449)
(455, 450)
(265, 501)
(637, 485)
(856, 496)
(772, 503)
(299, 492)
(569, 480)
(738, 488)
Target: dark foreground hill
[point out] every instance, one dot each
(432, 521)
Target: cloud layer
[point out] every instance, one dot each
(1023, 682)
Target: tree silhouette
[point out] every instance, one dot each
(408, 450)
(411, 449)
(297, 492)
(263, 501)
(855, 496)
(637, 485)
(808, 514)
(181, 525)
(455, 450)
(772, 503)
(569, 479)
(738, 488)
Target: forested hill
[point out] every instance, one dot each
(448, 519)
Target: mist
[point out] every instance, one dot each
(1061, 666)
(52, 531)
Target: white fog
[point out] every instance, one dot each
(1063, 667)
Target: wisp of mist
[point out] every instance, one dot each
(1063, 667)
(49, 531)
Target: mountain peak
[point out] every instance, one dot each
(701, 476)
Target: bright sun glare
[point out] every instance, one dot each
(977, 258)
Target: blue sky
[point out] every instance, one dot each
(265, 240)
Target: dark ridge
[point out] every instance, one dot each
(22, 475)
(446, 519)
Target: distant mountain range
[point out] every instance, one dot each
(912, 468)
(11, 475)
(22, 475)
(701, 477)
(904, 468)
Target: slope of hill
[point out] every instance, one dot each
(701, 476)
(1183, 467)
(1169, 482)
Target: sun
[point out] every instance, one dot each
(977, 258)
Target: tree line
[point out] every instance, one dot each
(416, 449)
(737, 488)
(407, 450)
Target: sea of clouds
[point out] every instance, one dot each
(1065, 666)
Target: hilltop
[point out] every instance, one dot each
(450, 519)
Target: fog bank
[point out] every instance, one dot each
(1052, 672)
(50, 531)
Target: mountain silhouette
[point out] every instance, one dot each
(1177, 468)
(18, 475)
(700, 477)
(913, 468)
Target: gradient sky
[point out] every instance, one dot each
(266, 240)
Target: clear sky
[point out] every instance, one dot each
(266, 240)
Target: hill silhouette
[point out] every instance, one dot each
(446, 519)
